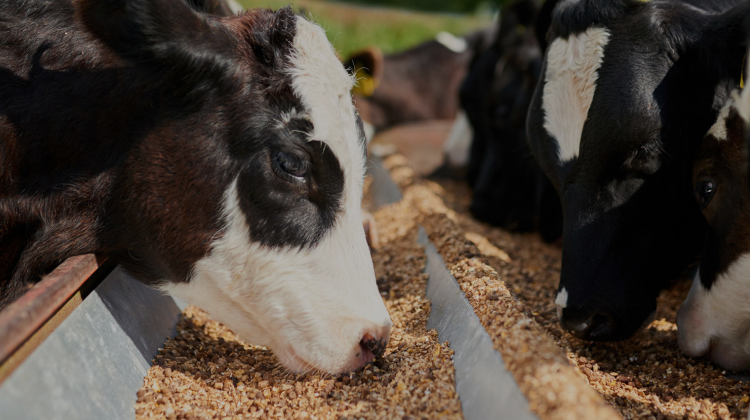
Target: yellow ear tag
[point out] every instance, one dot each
(366, 84)
(742, 73)
(520, 29)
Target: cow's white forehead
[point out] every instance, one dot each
(324, 88)
(719, 129)
(570, 82)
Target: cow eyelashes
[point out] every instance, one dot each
(290, 165)
(704, 192)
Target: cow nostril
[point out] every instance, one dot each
(373, 345)
(595, 326)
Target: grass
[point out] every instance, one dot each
(351, 28)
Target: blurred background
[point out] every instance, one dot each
(392, 25)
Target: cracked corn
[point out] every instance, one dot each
(205, 372)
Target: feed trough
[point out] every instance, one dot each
(91, 342)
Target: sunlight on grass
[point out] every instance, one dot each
(351, 28)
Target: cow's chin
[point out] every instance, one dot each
(303, 336)
(317, 308)
(716, 322)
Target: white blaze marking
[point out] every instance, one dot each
(452, 42)
(570, 82)
(719, 129)
(561, 302)
(562, 298)
(458, 145)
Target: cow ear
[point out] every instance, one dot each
(147, 31)
(367, 68)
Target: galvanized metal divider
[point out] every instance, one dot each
(486, 389)
(77, 346)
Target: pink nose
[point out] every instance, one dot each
(373, 344)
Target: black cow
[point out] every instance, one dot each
(216, 158)
(509, 188)
(627, 91)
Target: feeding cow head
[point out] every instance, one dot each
(714, 318)
(627, 91)
(509, 188)
(218, 159)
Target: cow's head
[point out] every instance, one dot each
(243, 196)
(715, 316)
(627, 91)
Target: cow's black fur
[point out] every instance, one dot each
(509, 188)
(122, 124)
(631, 224)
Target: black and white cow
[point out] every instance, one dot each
(715, 317)
(509, 188)
(628, 90)
(217, 159)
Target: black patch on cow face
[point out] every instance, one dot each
(286, 209)
(631, 224)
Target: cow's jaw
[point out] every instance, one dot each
(570, 82)
(715, 321)
(313, 304)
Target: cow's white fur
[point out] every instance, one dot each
(452, 42)
(310, 306)
(561, 301)
(570, 82)
(718, 319)
(719, 129)
(458, 144)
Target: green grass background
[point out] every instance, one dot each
(351, 28)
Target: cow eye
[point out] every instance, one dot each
(704, 192)
(291, 164)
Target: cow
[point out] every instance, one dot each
(713, 319)
(415, 85)
(509, 189)
(628, 89)
(219, 159)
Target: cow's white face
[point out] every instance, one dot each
(304, 288)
